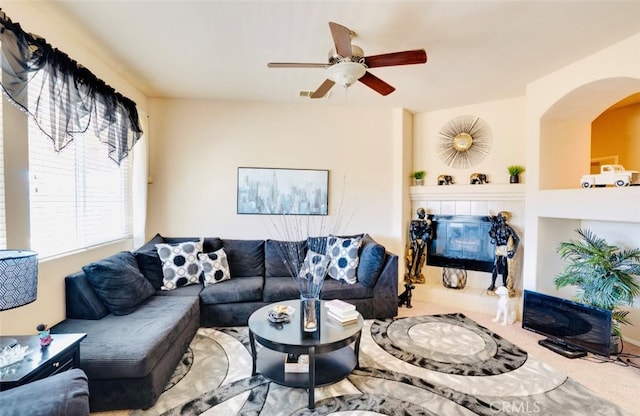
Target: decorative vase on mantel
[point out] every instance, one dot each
(514, 179)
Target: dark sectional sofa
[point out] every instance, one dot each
(137, 332)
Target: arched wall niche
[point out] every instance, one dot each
(615, 135)
(566, 129)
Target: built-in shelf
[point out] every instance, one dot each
(609, 204)
(486, 192)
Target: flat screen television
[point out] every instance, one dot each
(462, 242)
(571, 328)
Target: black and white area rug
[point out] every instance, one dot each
(427, 365)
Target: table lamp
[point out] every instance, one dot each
(18, 282)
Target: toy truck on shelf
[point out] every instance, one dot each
(614, 175)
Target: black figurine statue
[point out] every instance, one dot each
(405, 297)
(420, 232)
(506, 241)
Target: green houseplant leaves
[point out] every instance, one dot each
(606, 276)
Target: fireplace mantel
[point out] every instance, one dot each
(465, 200)
(486, 192)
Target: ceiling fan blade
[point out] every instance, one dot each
(323, 89)
(342, 39)
(417, 56)
(295, 65)
(376, 84)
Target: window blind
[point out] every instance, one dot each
(78, 196)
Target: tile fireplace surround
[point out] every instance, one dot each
(487, 199)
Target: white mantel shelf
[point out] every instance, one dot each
(486, 192)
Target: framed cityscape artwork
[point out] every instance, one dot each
(283, 191)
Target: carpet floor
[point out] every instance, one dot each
(422, 365)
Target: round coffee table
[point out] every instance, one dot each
(332, 356)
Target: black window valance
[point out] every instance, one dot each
(69, 99)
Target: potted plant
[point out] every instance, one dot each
(514, 173)
(606, 276)
(418, 177)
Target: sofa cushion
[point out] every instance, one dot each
(148, 261)
(177, 240)
(283, 257)
(317, 244)
(81, 300)
(246, 257)
(314, 266)
(280, 288)
(65, 393)
(110, 351)
(180, 265)
(372, 257)
(242, 289)
(337, 289)
(119, 283)
(215, 267)
(343, 253)
(211, 244)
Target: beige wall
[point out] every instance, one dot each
(198, 145)
(506, 120)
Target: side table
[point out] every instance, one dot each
(62, 354)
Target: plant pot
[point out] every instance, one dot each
(514, 179)
(418, 182)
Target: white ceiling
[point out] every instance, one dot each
(477, 51)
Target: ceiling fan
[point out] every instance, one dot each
(347, 64)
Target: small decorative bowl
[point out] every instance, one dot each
(280, 313)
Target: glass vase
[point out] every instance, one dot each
(310, 314)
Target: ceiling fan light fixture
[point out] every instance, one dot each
(345, 73)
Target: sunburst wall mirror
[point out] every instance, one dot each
(464, 141)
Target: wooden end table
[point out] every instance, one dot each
(333, 354)
(62, 354)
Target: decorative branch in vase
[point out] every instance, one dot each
(302, 245)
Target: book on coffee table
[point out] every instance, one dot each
(339, 307)
(347, 319)
(343, 312)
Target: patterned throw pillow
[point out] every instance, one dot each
(180, 265)
(314, 266)
(214, 266)
(343, 253)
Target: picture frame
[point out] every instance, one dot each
(278, 191)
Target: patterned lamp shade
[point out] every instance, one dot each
(18, 278)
